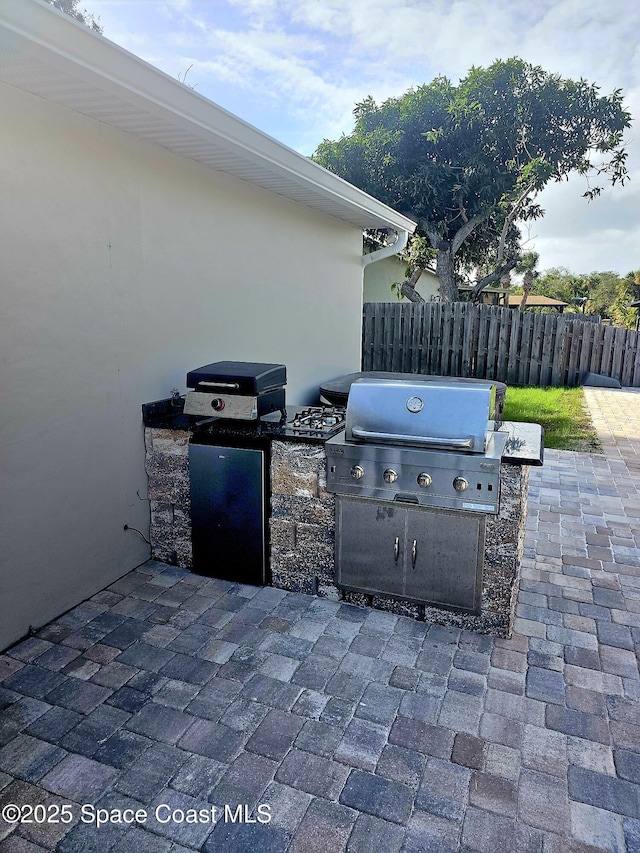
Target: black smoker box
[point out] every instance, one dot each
(242, 390)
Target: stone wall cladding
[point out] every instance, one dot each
(303, 541)
(302, 529)
(167, 467)
(302, 519)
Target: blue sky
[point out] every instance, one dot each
(295, 69)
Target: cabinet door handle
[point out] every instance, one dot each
(396, 549)
(414, 553)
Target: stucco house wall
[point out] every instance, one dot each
(380, 275)
(123, 266)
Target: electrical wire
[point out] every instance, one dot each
(135, 530)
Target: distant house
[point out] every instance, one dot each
(488, 296)
(146, 231)
(379, 276)
(536, 301)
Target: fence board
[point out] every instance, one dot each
(469, 347)
(482, 341)
(577, 337)
(635, 381)
(607, 350)
(630, 349)
(398, 335)
(620, 340)
(486, 341)
(436, 352)
(585, 351)
(596, 353)
(455, 341)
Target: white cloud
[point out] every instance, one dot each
(297, 67)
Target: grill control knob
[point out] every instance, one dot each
(424, 480)
(357, 472)
(390, 476)
(460, 484)
(217, 404)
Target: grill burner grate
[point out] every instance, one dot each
(317, 420)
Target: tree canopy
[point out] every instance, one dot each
(604, 293)
(466, 162)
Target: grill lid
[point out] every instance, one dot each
(237, 377)
(426, 414)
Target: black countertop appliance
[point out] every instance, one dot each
(242, 390)
(229, 474)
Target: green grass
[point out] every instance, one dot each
(561, 411)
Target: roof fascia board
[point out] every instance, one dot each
(60, 41)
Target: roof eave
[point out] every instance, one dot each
(70, 50)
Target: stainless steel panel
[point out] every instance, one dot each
(233, 406)
(228, 512)
(482, 471)
(370, 541)
(424, 555)
(447, 557)
(414, 412)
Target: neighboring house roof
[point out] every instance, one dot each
(535, 301)
(51, 55)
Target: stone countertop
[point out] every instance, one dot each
(525, 443)
(163, 415)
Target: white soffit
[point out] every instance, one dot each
(49, 54)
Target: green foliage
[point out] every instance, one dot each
(73, 8)
(471, 157)
(606, 293)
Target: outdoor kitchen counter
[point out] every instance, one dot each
(302, 523)
(271, 427)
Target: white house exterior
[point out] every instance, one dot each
(145, 231)
(379, 276)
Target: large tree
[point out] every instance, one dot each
(466, 162)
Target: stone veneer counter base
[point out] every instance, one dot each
(303, 539)
(302, 529)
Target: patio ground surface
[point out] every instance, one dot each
(360, 730)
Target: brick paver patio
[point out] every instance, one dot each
(360, 730)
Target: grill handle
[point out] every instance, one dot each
(358, 432)
(232, 386)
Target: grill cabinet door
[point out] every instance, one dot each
(444, 557)
(370, 538)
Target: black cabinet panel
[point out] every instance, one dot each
(228, 512)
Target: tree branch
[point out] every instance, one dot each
(508, 222)
(462, 233)
(496, 275)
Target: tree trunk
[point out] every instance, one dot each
(408, 286)
(446, 275)
(527, 281)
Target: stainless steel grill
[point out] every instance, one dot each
(415, 473)
(423, 443)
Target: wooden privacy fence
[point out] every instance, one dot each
(489, 342)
